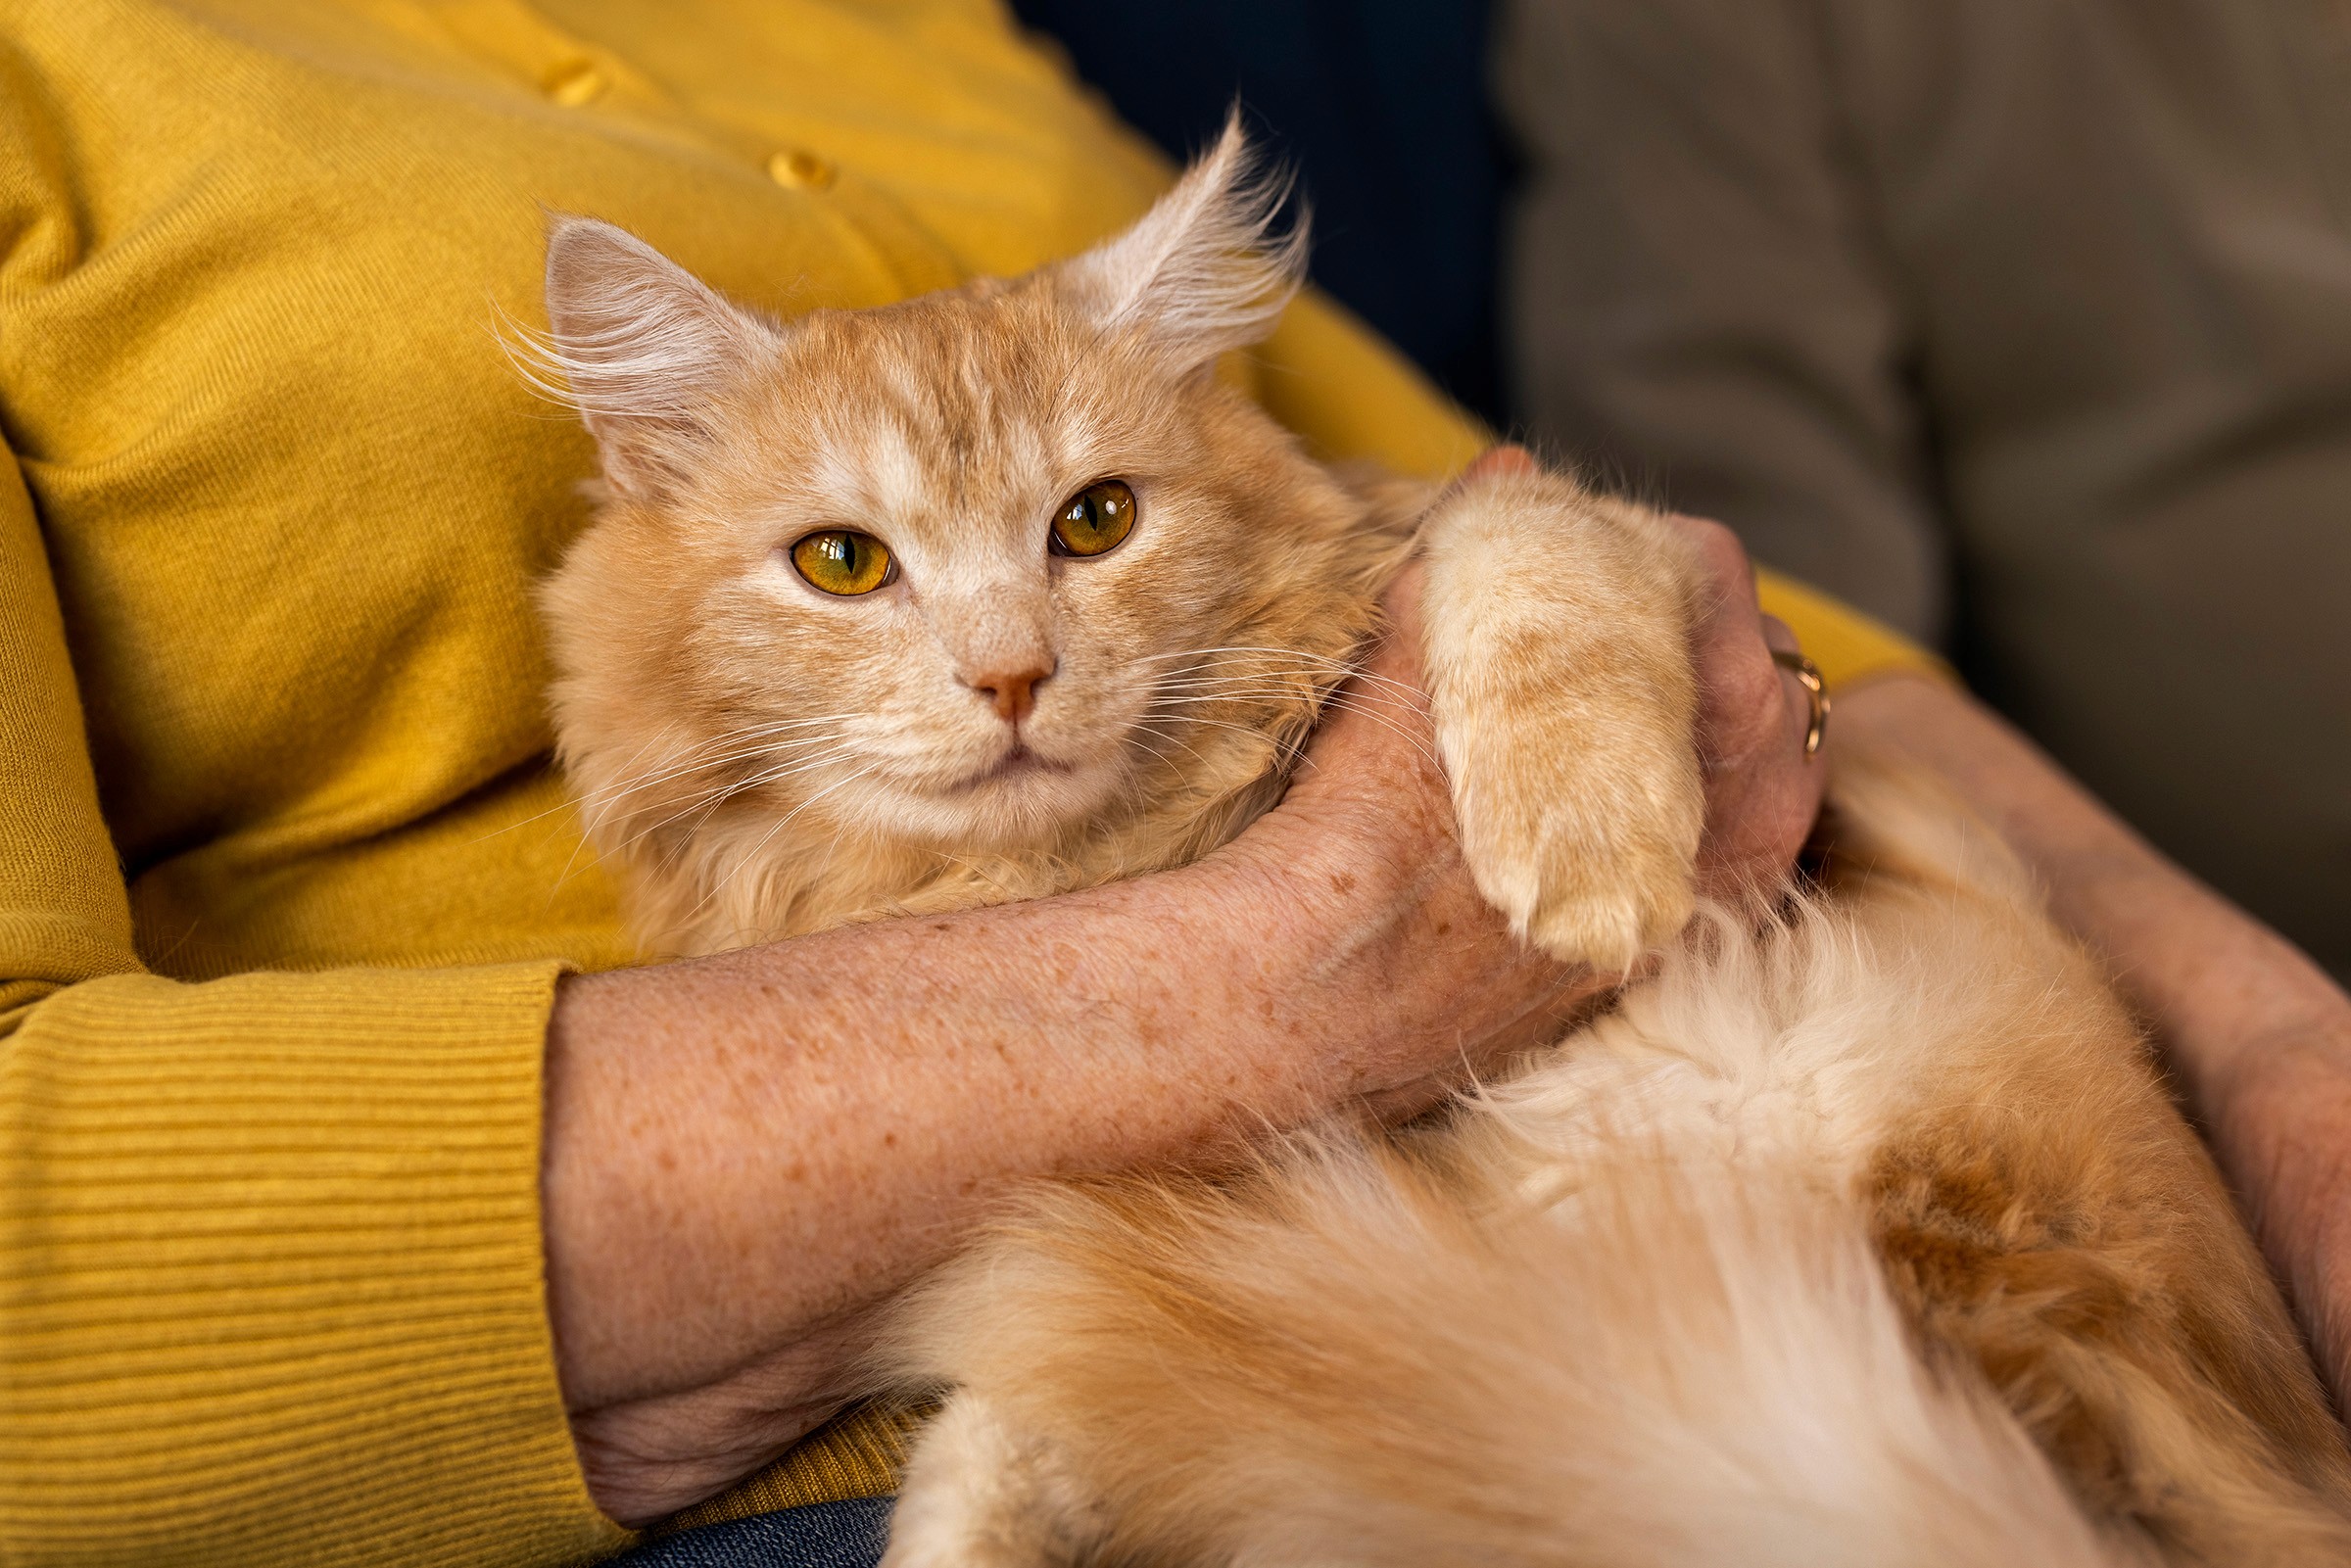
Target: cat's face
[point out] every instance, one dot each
(975, 573)
(891, 573)
(871, 585)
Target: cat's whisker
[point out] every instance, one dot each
(721, 760)
(1292, 684)
(1259, 671)
(1285, 676)
(1279, 697)
(1252, 731)
(708, 801)
(1329, 679)
(784, 767)
(1336, 702)
(571, 803)
(702, 754)
(1236, 647)
(1337, 671)
(701, 807)
(637, 786)
(679, 844)
(744, 861)
(596, 806)
(1320, 678)
(707, 805)
(1299, 656)
(1389, 722)
(1196, 753)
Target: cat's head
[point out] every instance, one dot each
(986, 573)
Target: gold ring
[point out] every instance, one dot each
(1808, 676)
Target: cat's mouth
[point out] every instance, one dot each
(1017, 763)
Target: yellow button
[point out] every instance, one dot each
(574, 83)
(795, 169)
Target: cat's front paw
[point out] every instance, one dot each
(1557, 653)
(1597, 882)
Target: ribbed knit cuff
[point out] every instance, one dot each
(270, 1277)
(859, 1453)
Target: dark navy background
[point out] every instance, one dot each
(1379, 104)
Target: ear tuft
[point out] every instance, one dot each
(1204, 270)
(636, 343)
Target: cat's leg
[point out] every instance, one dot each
(2138, 1341)
(1557, 650)
(2042, 1213)
(2098, 1279)
(978, 1494)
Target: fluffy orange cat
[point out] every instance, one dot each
(1868, 1237)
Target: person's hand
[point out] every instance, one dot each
(1371, 797)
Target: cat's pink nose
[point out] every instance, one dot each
(1013, 691)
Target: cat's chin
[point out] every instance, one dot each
(1020, 804)
(1013, 769)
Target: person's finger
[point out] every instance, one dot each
(1724, 560)
(1761, 792)
(1750, 704)
(1507, 458)
(1399, 652)
(1798, 706)
(1743, 695)
(1370, 719)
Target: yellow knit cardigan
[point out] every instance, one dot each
(285, 880)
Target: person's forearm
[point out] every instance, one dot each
(2259, 1036)
(745, 1150)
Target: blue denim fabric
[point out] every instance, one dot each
(822, 1535)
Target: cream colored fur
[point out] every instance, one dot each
(1867, 1238)
(1630, 1307)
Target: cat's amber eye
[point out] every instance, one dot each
(1094, 520)
(841, 562)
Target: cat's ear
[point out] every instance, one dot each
(639, 347)
(1204, 270)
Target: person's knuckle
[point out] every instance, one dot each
(1720, 547)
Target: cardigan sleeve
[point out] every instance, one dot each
(270, 1283)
